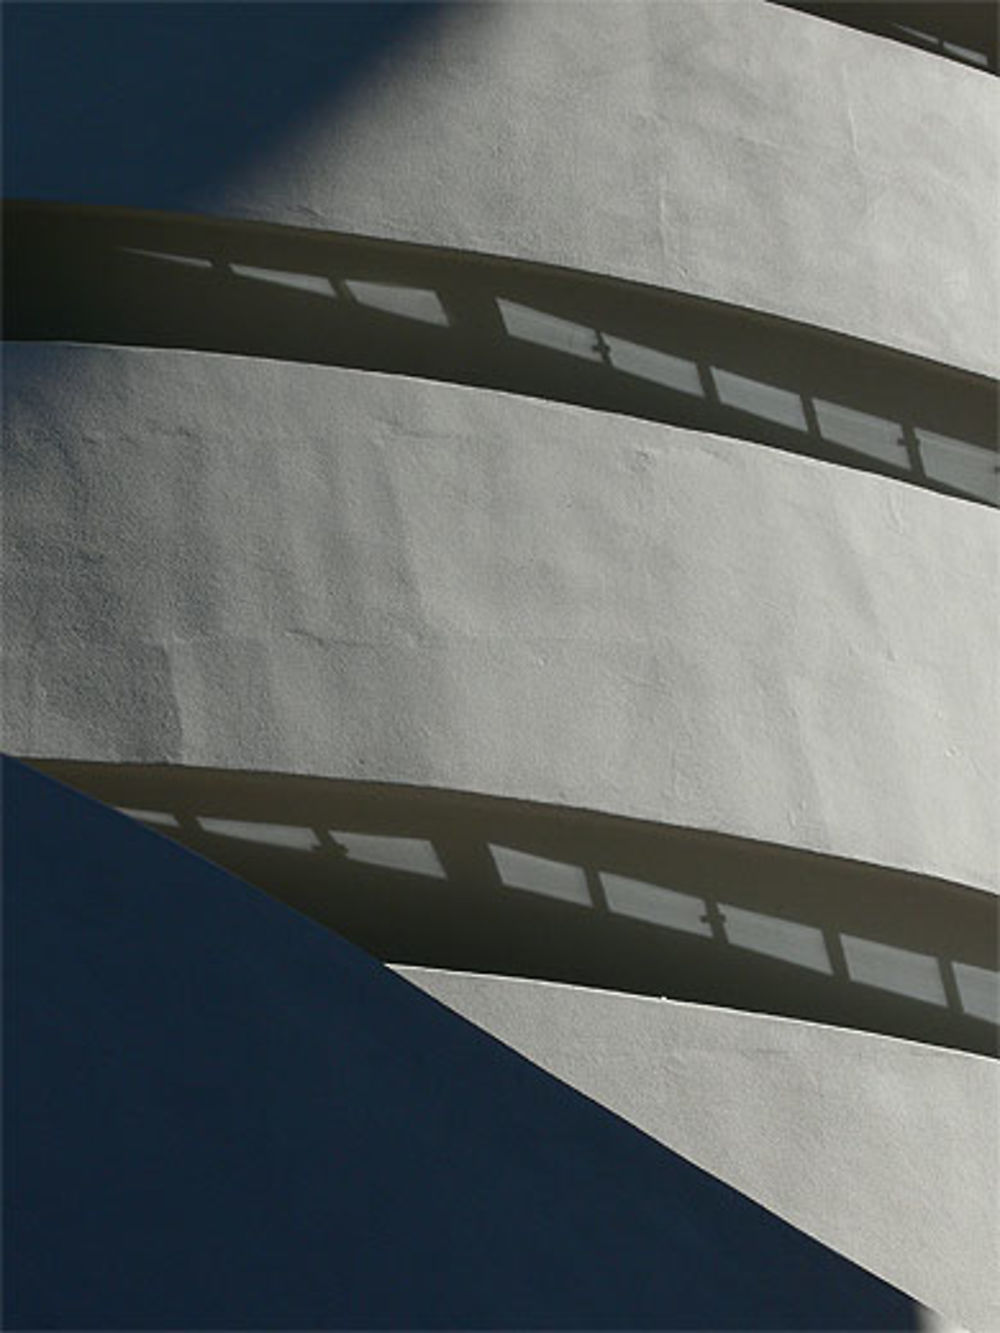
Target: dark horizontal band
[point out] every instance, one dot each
(482, 884)
(961, 30)
(142, 279)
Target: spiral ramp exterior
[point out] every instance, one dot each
(518, 483)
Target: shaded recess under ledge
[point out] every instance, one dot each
(160, 280)
(961, 30)
(481, 884)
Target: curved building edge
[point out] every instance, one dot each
(884, 1149)
(458, 881)
(859, 175)
(132, 278)
(318, 571)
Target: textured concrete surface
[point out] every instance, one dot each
(475, 883)
(735, 150)
(220, 1116)
(247, 564)
(140, 279)
(262, 567)
(887, 1150)
(774, 160)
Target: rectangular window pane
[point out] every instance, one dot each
(761, 400)
(866, 434)
(554, 879)
(790, 941)
(562, 335)
(653, 903)
(914, 974)
(414, 855)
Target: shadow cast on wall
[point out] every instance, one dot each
(481, 884)
(158, 105)
(108, 276)
(961, 30)
(221, 1117)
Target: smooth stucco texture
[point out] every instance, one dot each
(220, 1116)
(253, 565)
(884, 1149)
(731, 149)
(738, 151)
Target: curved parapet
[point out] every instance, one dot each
(511, 481)
(246, 564)
(220, 1116)
(883, 1149)
(169, 280)
(741, 152)
(473, 883)
(961, 30)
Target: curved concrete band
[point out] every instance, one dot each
(137, 279)
(774, 160)
(254, 565)
(741, 151)
(479, 884)
(884, 1149)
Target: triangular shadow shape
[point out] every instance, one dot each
(221, 1115)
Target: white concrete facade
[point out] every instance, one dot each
(734, 150)
(308, 570)
(886, 1150)
(226, 562)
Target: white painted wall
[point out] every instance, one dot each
(253, 565)
(886, 1150)
(250, 565)
(728, 148)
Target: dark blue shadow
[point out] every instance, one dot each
(153, 104)
(221, 1115)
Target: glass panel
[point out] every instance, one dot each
(673, 372)
(760, 400)
(914, 974)
(875, 436)
(651, 902)
(274, 835)
(535, 326)
(979, 58)
(190, 261)
(414, 855)
(773, 935)
(979, 990)
(925, 37)
(967, 467)
(159, 818)
(303, 282)
(554, 879)
(407, 302)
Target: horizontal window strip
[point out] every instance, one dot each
(140, 279)
(485, 884)
(964, 31)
